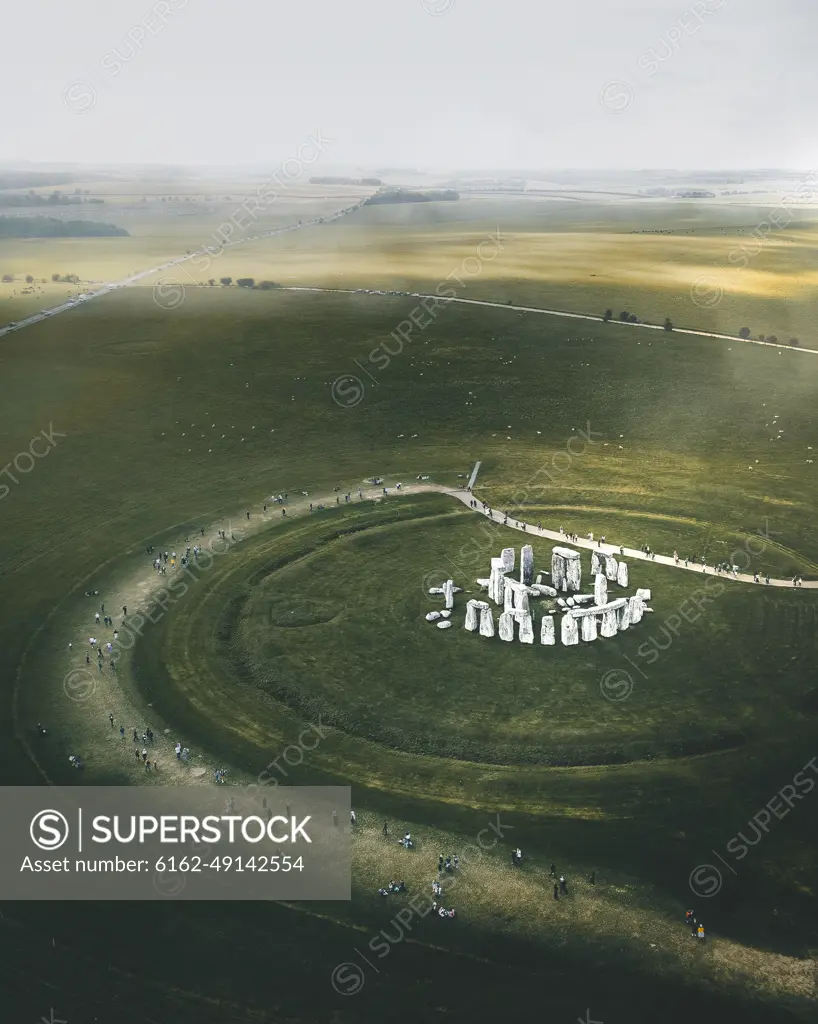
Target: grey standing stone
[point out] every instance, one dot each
(588, 625)
(507, 626)
(611, 568)
(486, 622)
(569, 629)
(547, 632)
(600, 589)
(526, 627)
(609, 624)
(448, 593)
(507, 556)
(624, 620)
(509, 596)
(622, 574)
(527, 564)
(597, 563)
(472, 619)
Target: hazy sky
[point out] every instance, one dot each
(422, 83)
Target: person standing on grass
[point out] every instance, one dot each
(556, 891)
(111, 718)
(122, 732)
(386, 830)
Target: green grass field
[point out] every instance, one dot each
(179, 418)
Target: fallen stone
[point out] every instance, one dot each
(570, 602)
(446, 614)
(541, 590)
(435, 590)
(432, 616)
(444, 624)
(644, 594)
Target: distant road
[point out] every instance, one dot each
(545, 312)
(214, 250)
(205, 250)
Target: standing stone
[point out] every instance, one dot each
(608, 622)
(448, 593)
(622, 574)
(624, 619)
(588, 624)
(637, 608)
(472, 620)
(547, 637)
(600, 589)
(507, 626)
(573, 572)
(486, 622)
(507, 557)
(566, 569)
(521, 601)
(527, 565)
(611, 567)
(569, 630)
(597, 564)
(483, 584)
(526, 627)
(509, 596)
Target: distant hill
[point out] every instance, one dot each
(330, 180)
(52, 227)
(402, 195)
